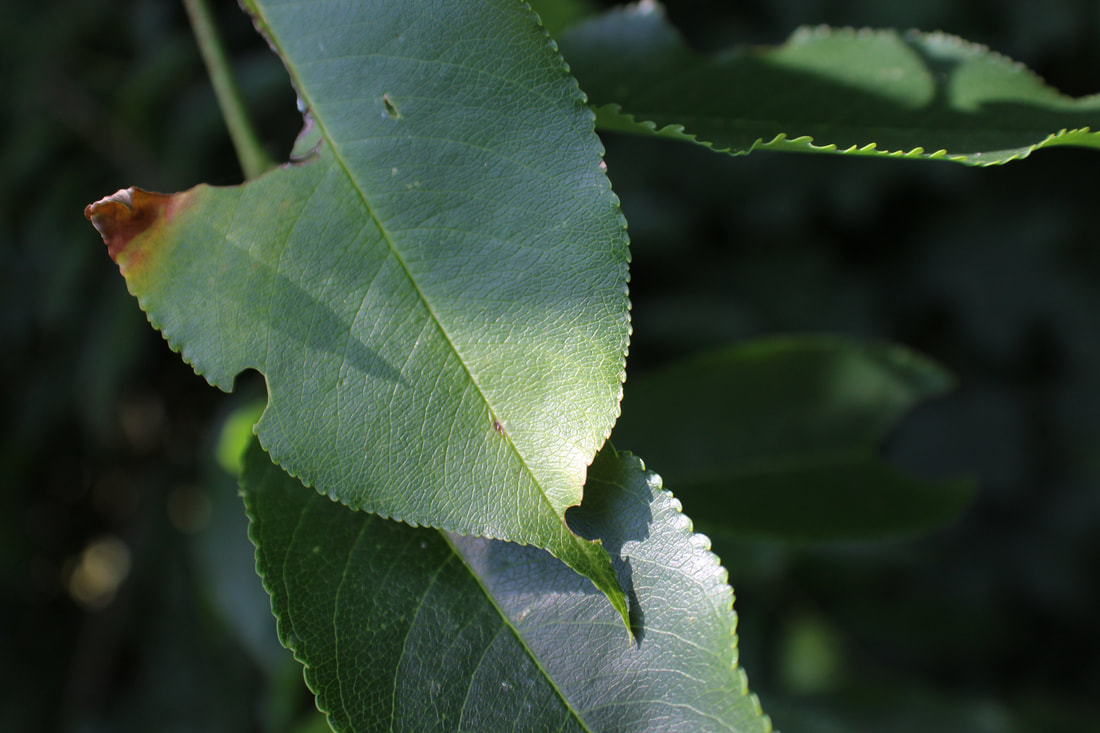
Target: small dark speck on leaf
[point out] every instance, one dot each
(498, 427)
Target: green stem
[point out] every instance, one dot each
(250, 153)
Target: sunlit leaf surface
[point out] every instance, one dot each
(435, 290)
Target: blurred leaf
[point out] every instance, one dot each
(315, 723)
(412, 629)
(776, 438)
(236, 435)
(891, 705)
(556, 15)
(438, 281)
(223, 555)
(913, 95)
(811, 655)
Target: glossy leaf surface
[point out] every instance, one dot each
(435, 290)
(413, 629)
(865, 92)
(777, 438)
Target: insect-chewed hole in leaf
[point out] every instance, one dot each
(391, 109)
(238, 426)
(250, 384)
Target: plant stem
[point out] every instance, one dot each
(250, 153)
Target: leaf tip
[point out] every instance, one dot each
(127, 214)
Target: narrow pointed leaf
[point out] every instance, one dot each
(865, 92)
(435, 290)
(783, 437)
(414, 629)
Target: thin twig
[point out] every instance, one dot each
(250, 153)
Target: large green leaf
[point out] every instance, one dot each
(779, 438)
(435, 290)
(913, 95)
(414, 629)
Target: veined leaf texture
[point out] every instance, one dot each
(434, 290)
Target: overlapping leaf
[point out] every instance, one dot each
(914, 95)
(435, 290)
(413, 629)
(780, 436)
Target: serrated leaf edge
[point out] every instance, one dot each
(782, 142)
(285, 624)
(805, 143)
(720, 590)
(580, 103)
(722, 587)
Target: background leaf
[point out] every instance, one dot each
(914, 95)
(777, 438)
(557, 15)
(435, 291)
(413, 629)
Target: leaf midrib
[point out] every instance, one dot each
(520, 639)
(339, 159)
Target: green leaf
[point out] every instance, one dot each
(776, 438)
(861, 92)
(435, 290)
(414, 629)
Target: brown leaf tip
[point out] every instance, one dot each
(124, 215)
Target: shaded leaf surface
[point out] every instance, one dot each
(435, 291)
(779, 438)
(916, 95)
(412, 629)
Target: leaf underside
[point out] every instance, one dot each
(435, 290)
(783, 439)
(859, 92)
(403, 628)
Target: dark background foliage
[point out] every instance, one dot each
(127, 597)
